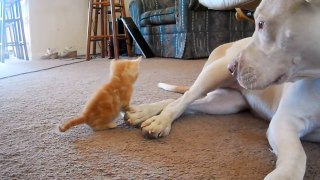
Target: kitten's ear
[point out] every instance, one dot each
(313, 2)
(112, 64)
(138, 60)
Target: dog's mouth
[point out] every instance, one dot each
(281, 79)
(253, 85)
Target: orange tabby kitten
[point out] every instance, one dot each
(110, 98)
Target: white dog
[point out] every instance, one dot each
(285, 46)
(279, 51)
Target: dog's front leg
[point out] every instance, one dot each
(213, 76)
(284, 138)
(139, 113)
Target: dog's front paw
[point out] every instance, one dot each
(137, 114)
(156, 127)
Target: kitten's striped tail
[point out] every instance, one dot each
(70, 123)
(173, 88)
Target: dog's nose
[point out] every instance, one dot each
(232, 67)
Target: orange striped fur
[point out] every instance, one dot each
(111, 98)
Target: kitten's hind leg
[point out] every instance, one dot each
(112, 125)
(138, 114)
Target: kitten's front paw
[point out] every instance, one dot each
(137, 114)
(156, 127)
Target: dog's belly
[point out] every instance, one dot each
(264, 103)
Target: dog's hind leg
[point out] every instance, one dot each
(221, 101)
(212, 77)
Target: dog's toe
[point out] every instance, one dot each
(155, 127)
(148, 122)
(136, 115)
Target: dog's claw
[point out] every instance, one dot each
(142, 125)
(156, 127)
(129, 121)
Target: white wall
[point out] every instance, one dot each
(126, 2)
(57, 24)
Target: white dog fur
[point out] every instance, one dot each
(279, 51)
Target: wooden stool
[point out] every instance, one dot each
(2, 29)
(12, 22)
(100, 8)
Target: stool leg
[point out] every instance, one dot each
(95, 28)
(12, 40)
(17, 41)
(114, 30)
(12, 31)
(123, 13)
(102, 25)
(2, 31)
(89, 29)
(24, 42)
(110, 52)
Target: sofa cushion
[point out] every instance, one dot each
(159, 29)
(158, 17)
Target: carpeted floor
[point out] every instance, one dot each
(199, 147)
(15, 67)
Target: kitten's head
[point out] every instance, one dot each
(126, 68)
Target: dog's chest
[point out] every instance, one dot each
(264, 103)
(260, 108)
(302, 99)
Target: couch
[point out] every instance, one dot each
(184, 29)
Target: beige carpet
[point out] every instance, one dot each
(15, 67)
(199, 147)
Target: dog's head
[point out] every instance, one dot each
(285, 45)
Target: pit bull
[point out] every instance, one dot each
(275, 73)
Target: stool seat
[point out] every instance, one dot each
(100, 12)
(107, 3)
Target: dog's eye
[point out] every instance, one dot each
(260, 24)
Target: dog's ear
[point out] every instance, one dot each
(313, 1)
